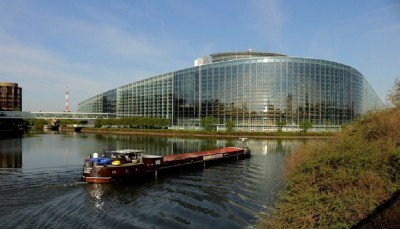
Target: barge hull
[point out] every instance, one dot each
(97, 180)
(161, 165)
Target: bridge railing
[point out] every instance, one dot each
(72, 115)
(54, 115)
(16, 114)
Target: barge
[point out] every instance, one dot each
(130, 163)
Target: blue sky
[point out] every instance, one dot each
(93, 46)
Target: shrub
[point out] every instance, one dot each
(338, 182)
(209, 123)
(305, 125)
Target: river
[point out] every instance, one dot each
(40, 184)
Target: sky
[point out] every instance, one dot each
(93, 46)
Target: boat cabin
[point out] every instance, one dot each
(118, 157)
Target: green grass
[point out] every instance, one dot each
(337, 182)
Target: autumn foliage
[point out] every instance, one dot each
(337, 182)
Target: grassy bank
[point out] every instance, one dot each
(338, 182)
(196, 133)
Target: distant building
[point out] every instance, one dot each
(256, 90)
(10, 97)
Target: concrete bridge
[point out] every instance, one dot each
(54, 115)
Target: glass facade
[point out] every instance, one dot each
(152, 97)
(102, 103)
(255, 92)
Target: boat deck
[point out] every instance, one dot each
(182, 156)
(126, 164)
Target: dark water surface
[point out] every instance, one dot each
(44, 190)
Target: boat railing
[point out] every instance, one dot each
(244, 143)
(115, 158)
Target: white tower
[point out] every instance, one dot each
(66, 101)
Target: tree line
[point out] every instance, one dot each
(134, 122)
(208, 123)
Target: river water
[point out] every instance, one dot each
(40, 184)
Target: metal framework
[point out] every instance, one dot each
(54, 115)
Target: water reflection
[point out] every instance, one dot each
(267, 146)
(174, 145)
(96, 191)
(11, 153)
(226, 195)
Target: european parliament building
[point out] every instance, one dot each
(255, 90)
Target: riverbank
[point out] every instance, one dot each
(186, 133)
(339, 182)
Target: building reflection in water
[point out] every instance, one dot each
(175, 145)
(11, 153)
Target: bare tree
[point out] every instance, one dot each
(393, 97)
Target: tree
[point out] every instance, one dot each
(305, 125)
(39, 123)
(280, 125)
(230, 125)
(98, 122)
(208, 123)
(393, 97)
(65, 122)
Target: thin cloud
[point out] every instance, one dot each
(35, 69)
(116, 40)
(266, 19)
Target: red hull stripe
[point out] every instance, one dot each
(97, 179)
